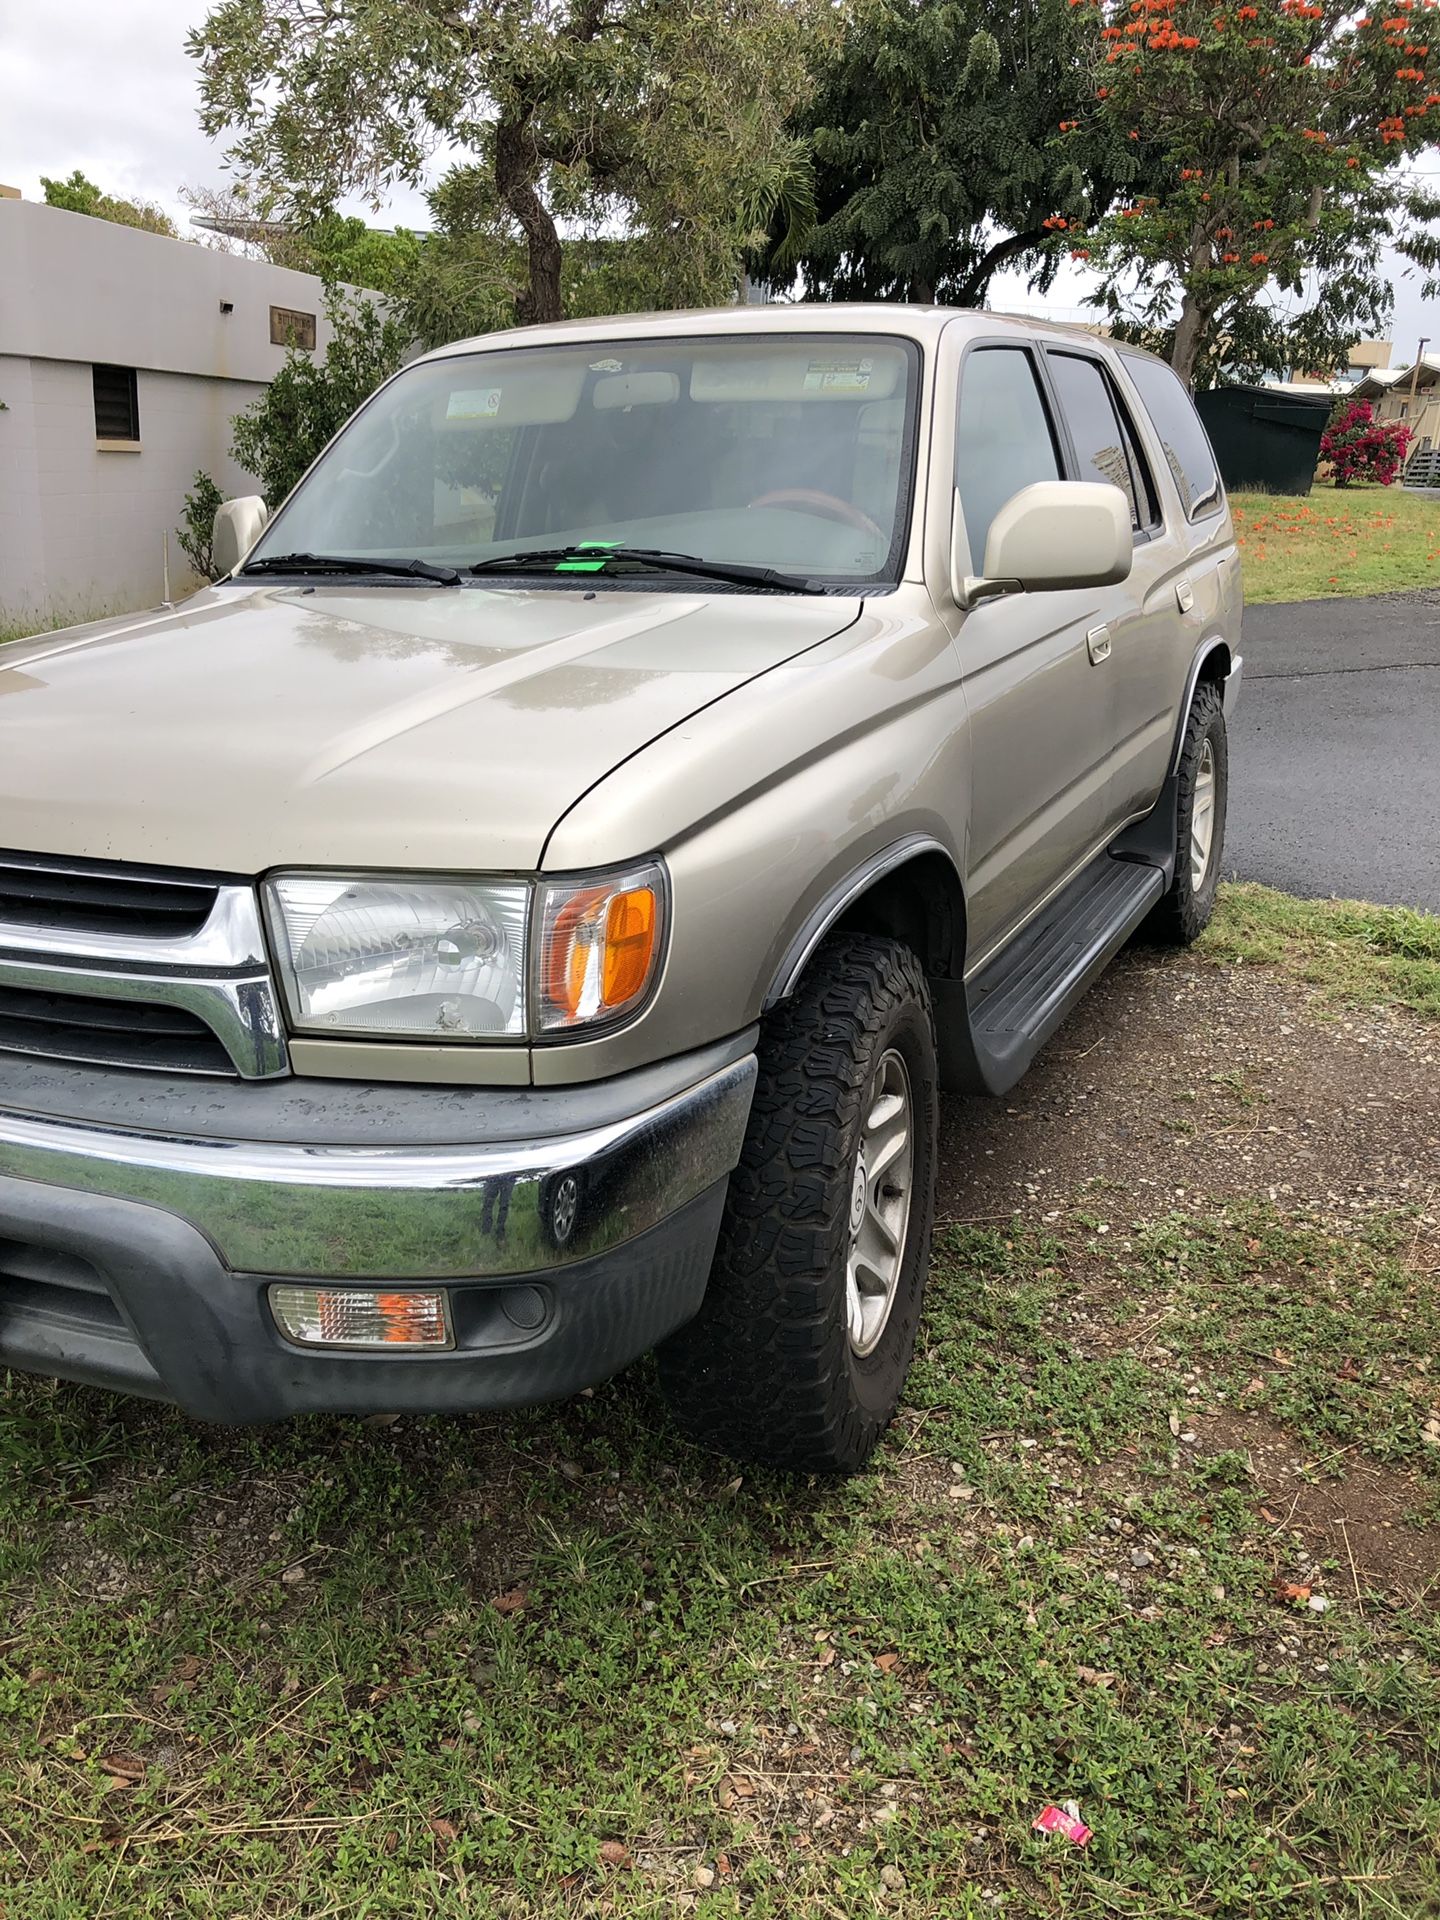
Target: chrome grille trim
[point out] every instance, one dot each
(230, 940)
(219, 972)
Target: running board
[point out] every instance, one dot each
(992, 1026)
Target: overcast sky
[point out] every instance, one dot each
(105, 85)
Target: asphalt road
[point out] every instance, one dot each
(1335, 750)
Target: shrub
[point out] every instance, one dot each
(196, 532)
(1357, 446)
(309, 400)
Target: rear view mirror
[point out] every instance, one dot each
(238, 525)
(1056, 534)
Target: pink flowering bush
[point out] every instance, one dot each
(1357, 446)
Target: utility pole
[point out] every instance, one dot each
(1415, 373)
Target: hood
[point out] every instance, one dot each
(399, 727)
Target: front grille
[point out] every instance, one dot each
(101, 899)
(111, 1033)
(60, 1289)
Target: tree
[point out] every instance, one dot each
(196, 532)
(309, 400)
(340, 248)
(1357, 446)
(933, 125)
(664, 118)
(1270, 136)
(79, 195)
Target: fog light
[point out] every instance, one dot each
(358, 1317)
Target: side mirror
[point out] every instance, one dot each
(1056, 534)
(238, 525)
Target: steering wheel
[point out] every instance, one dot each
(829, 506)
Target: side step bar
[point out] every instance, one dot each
(991, 1027)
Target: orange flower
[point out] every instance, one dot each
(1259, 259)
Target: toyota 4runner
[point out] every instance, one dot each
(524, 913)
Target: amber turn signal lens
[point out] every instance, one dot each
(600, 947)
(629, 945)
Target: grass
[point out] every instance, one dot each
(557, 1664)
(1353, 540)
(1357, 954)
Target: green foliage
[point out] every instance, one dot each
(662, 117)
(1270, 137)
(196, 532)
(79, 195)
(310, 399)
(936, 160)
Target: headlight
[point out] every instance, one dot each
(427, 958)
(437, 958)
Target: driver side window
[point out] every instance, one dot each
(1003, 438)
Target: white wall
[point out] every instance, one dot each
(76, 288)
(82, 527)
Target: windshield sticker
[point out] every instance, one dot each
(842, 376)
(474, 403)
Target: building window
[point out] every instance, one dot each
(117, 404)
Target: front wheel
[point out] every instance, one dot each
(799, 1353)
(1204, 790)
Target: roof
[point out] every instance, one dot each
(1384, 378)
(923, 324)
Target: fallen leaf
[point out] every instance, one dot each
(189, 1667)
(124, 1766)
(1348, 1372)
(613, 1853)
(390, 1842)
(1174, 1423)
(1093, 1677)
(827, 1657)
(887, 1662)
(514, 1601)
(445, 1830)
(1292, 1592)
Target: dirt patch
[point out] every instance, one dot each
(1178, 1082)
(1363, 1521)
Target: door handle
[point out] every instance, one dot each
(1097, 642)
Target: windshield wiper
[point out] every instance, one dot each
(593, 556)
(339, 563)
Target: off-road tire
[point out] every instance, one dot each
(1182, 915)
(766, 1371)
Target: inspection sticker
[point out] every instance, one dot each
(474, 403)
(839, 376)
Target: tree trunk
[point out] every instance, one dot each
(1188, 336)
(922, 292)
(517, 165)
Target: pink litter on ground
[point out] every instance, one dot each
(1057, 1820)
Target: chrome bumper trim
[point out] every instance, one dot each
(399, 1212)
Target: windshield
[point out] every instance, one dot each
(793, 452)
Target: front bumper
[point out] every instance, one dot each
(141, 1259)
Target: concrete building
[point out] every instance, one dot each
(124, 357)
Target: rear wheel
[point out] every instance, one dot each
(798, 1356)
(1204, 788)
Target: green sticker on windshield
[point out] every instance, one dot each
(600, 548)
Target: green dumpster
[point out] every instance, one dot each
(1264, 438)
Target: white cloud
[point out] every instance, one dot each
(106, 86)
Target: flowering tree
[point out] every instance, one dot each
(1269, 137)
(1357, 446)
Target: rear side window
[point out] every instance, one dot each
(1187, 447)
(1103, 443)
(1003, 438)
